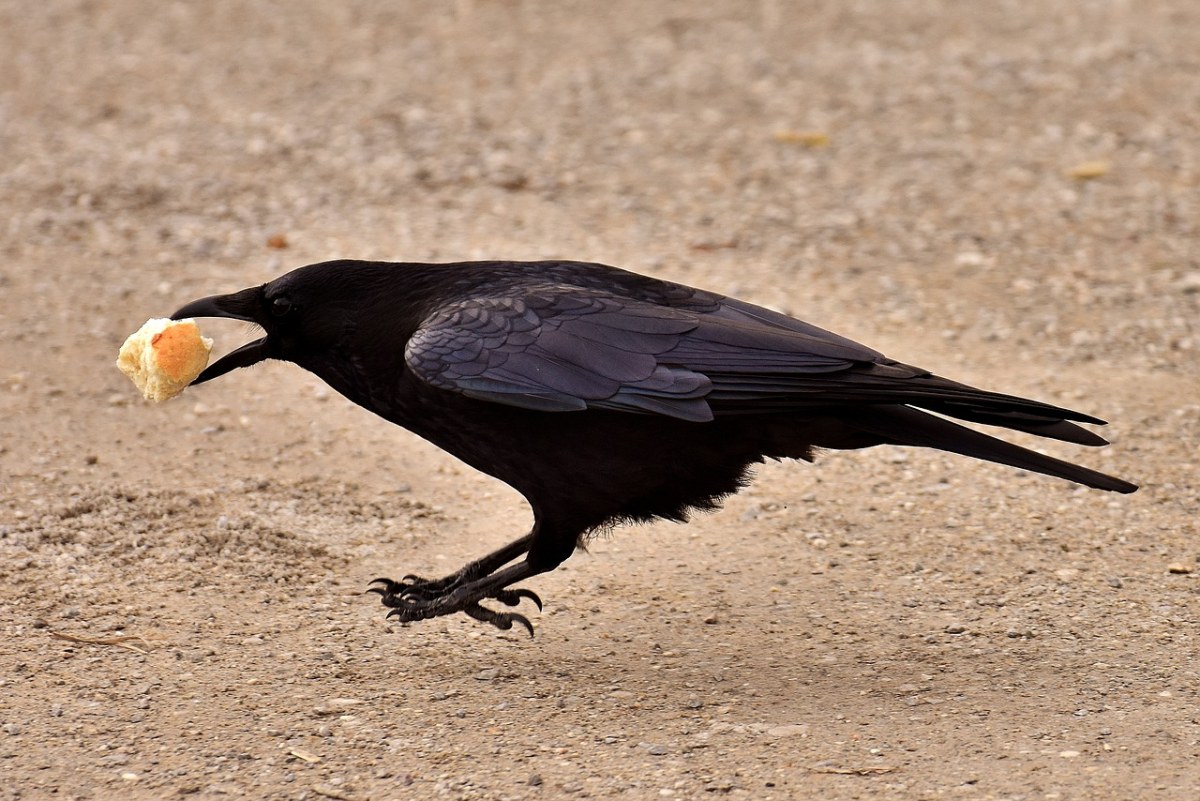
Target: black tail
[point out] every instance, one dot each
(904, 425)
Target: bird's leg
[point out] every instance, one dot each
(465, 598)
(428, 589)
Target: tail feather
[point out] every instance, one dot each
(1053, 428)
(904, 425)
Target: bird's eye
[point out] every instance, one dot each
(280, 306)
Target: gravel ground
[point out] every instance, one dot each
(1003, 192)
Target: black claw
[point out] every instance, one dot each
(501, 620)
(531, 595)
(513, 597)
(524, 621)
(406, 587)
(387, 586)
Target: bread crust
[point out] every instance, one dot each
(163, 356)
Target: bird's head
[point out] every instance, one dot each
(306, 315)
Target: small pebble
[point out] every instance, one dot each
(1179, 568)
(810, 139)
(1090, 170)
(1190, 283)
(955, 628)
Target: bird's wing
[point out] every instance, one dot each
(566, 351)
(552, 350)
(556, 351)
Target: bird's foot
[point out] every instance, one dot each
(413, 598)
(419, 587)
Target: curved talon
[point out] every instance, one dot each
(501, 620)
(513, 597)
(405, 587)
(531, 595)
(524, 621)
(387, 583)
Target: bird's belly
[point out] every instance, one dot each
(597, 467)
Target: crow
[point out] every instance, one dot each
(604, 396)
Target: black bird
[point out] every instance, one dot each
(604, 396)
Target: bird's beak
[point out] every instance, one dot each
(242, 305)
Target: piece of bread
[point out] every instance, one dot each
(163, 356)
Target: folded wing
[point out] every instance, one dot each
(553, 350)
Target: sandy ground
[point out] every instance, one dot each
(181, 591)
